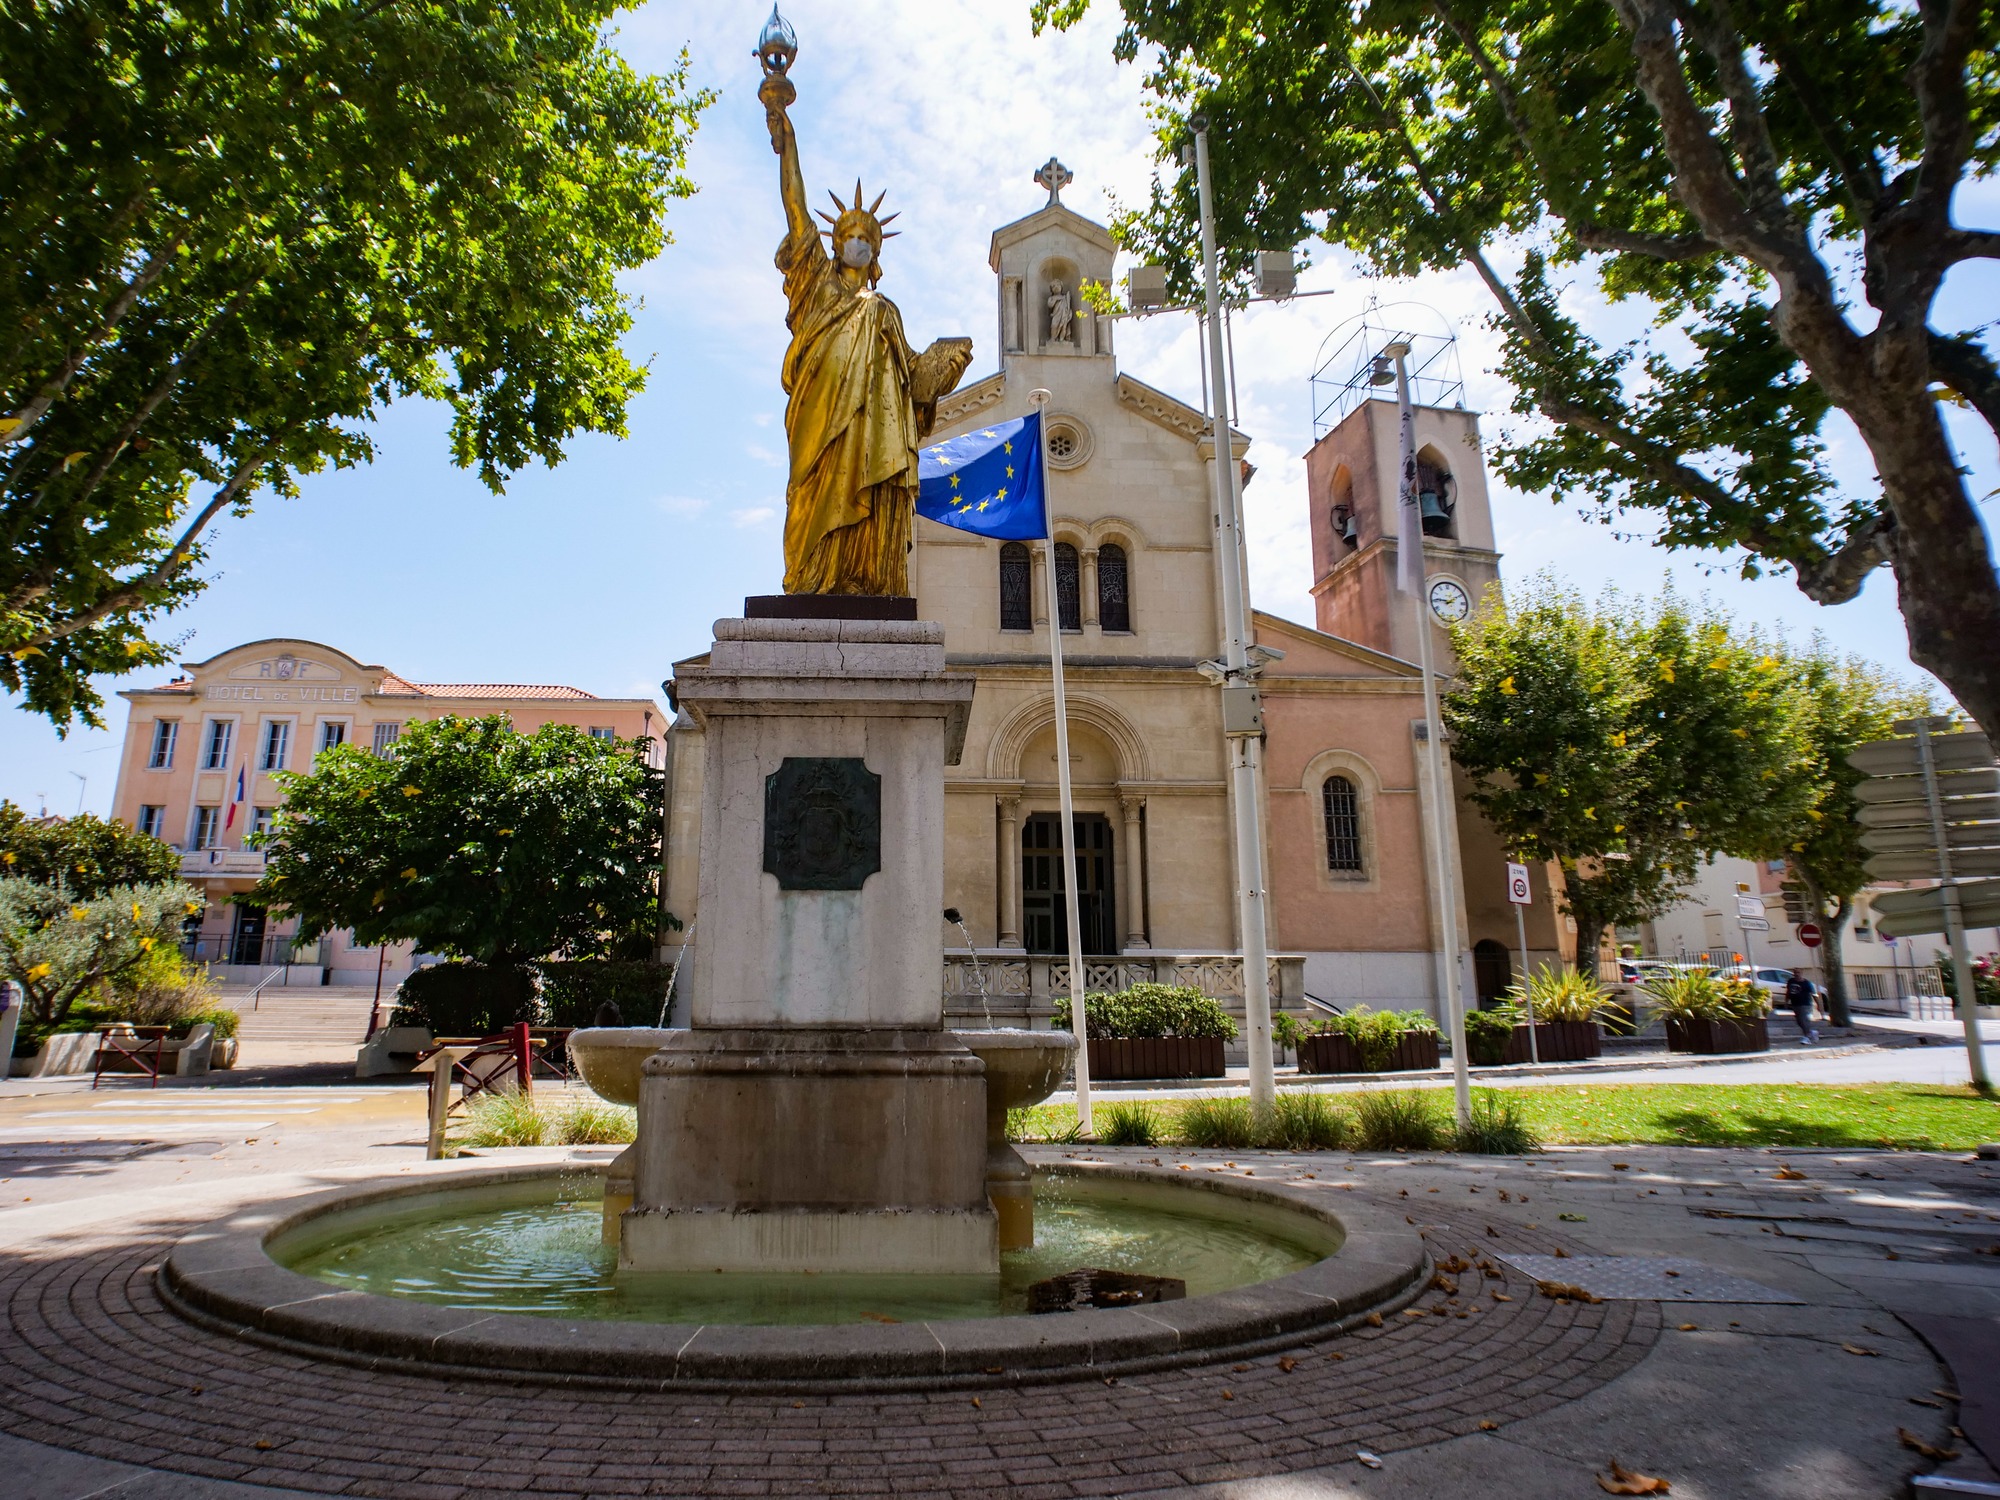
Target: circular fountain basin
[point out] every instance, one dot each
(608, 1058)
(1022, 1067)
(1265, 1264)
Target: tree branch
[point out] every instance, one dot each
(128, 594)
(1937, 78)
(1631, 242)
(1969, 370)
(1715, 30)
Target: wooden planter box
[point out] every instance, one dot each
(1156, 1057)
(1330, 1052)
(1556, 1041)
(1707, 1036)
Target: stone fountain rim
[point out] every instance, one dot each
(220, 1276)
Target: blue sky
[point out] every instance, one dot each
(603, 571)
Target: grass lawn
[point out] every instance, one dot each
(1902, 1116)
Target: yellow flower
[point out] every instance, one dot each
(411, 873)
(193, 907)
(1741, 734)
(1617, 827)
(1666, 671)
(1590, 813)
(1618, 739)
(137, 914)
(9, 856)
(79, 912)
(40, 971)
(505, 831)
(412, 791)
(145, 945)
(1507, 687)
(1541, 778)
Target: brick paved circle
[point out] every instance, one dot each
(91, 1360)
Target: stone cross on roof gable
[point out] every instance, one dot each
(1055, 177)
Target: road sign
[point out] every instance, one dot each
(1809, 934)
(1749, 906)
(1950, 752)
(1517, 885)
(1923, 836)
(1753, 924)
(1917, 813)
(1966, 864)
(1905, 913)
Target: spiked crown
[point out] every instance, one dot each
(851, 220)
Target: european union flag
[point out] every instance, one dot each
(988, 481)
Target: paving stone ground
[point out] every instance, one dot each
(1526, 1396)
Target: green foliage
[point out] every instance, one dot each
(1153, 1010)
(1699, 995)
(1304, 1121)
(1045, 1124)
(86, 855)
(236, 233)
(1729, 172)
(59, 947)
(596, 1122)
(1985, 978)
(1879, 1116)
(1217, 1124)
(1559, 994)
(573, 992)
(474, 841)
(1376, 1033)
(499, 1120)
(163, 989)
(1487, 1033)
(1286, 1029)
(1400, 1120)
(1625, 742)
(465, 999)
(1133, 1122)
(1497, 1127)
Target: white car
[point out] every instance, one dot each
(1771, 981)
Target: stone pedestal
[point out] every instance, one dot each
(816, 1116)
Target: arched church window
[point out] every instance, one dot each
(1342, 807)
(1069, 604)
(1016, 588)
(1114, 588)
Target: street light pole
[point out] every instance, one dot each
(1242, 719)
(1434, 763)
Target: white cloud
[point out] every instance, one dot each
(756, 515)
(680, 505)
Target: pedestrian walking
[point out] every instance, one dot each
(1799, 992)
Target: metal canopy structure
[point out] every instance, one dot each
(1354, 371)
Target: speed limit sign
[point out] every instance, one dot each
(1517, 885)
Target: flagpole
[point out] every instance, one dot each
(1077, 1024)
(1410, 578)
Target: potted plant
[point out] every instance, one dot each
(1155, 1031)
(1370, 1041)
(1567, 1007)
(1708, 1014)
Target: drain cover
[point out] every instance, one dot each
(1636, 1278)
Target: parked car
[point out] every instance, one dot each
(1771, 981)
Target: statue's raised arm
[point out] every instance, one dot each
(777, 92)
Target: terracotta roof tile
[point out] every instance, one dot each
(498, 690)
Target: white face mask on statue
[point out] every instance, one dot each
(857, 253)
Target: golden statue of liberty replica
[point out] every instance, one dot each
(861, 399)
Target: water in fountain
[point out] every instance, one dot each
(978, 969)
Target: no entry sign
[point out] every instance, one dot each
(1809, 934)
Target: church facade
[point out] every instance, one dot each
(1136, 589)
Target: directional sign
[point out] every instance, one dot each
(1917, 813)
(1949, 752)
(1809, 934)
(1907, 913)
(1517, 885)
(1911, 788)
(1749, 906)
(1915, 837)
(1753, 924)
(1966, 864)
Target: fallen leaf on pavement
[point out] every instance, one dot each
(1788, 1175)
(1688, 1328)
(975, 1402)
(1857, 1349)
(1486, 1426)
(1917, 1445)
(1374, 1320)
(1288, 1364)
(1229, 1395)
(1362, 1455)
(1502, 1297)
(1574, 1218)
(1926, 1401)
(1571, 1291)
(1624, 1481)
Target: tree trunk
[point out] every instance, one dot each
(1589, 935)
(1839, 1004)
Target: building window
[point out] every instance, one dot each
(1114, 588)
(332, 732)
(260, 820)
(215, 755)
(603, 732)
(1343, 825)
(207, 824)
(152, 817)
(1017, 588)
(1069, 606)
(385, 737)
(277, 745)
(165, 732)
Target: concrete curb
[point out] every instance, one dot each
(222, 1277)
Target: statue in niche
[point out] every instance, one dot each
(860, 398)
(1062, 317)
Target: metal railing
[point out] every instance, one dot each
(1007, 987)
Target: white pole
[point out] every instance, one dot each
(1237, 685)
(1527, 990)
(1078, 1026)
(1412, 568)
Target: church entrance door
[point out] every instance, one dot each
(1043, 911)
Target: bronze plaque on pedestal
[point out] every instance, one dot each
(822, 823)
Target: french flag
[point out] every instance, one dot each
(230, 821)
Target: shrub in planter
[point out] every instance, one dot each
(1155, 1031)
(1370, 1041)
(573, 993)
(465, 999)
(1487, 1033)
(1706, 1013)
